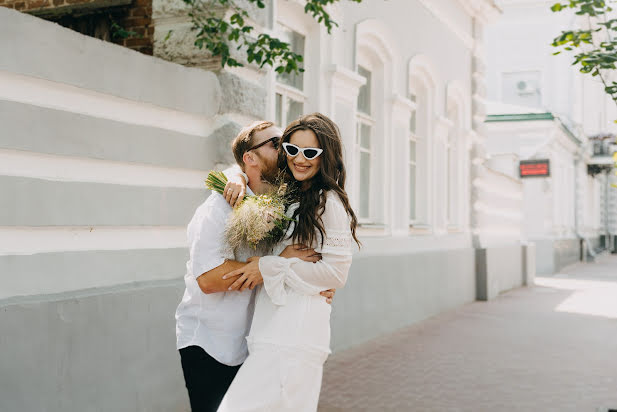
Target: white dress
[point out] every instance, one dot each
(290, 334)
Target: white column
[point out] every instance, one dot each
(440, 181)
(478, 146)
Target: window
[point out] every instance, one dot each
(289, 98)
(419, 155)
(413, 164)
(364, 145)
(452, 165)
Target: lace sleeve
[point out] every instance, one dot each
(336, 223)
(311, 278)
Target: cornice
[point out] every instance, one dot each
(485, 10)
(436, 10)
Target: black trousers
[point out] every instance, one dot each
(206, 379)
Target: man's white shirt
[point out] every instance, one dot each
(217, 322)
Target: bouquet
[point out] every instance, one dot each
(259, 222)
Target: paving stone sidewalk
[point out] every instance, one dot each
(551, 347)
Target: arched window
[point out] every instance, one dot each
(293, 92)
(375, 62)
(422, 85)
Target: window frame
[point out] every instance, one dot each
(288, 92)
(366, 119)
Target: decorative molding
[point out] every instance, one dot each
(377, 37)
(402, 105)
(345, 83)
(421, 66)
(484, 10)
(466, 38)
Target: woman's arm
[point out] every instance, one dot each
(312, 278)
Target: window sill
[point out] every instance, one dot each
(371, 229)
(419, 229)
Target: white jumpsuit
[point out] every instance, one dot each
(290, 333)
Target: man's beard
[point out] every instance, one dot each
(269, 170)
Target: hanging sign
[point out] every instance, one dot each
(534, 168)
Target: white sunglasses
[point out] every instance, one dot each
(309, 153)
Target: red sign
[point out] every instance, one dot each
(534, 168)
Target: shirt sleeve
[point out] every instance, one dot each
(207, 244)
(312, 278)
(235, 170)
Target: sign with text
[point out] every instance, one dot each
(534, 168)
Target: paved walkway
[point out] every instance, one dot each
(552, 347)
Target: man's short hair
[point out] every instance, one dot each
(244, 141)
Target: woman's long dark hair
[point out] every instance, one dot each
(330, 176)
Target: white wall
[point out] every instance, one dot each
(103, 153)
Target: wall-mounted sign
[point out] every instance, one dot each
(534, 168)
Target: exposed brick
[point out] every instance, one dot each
(143, 3)
(19, 6)
(139, 12)
(137, 22)
(137, 42)
(37, 4)
(58, 2)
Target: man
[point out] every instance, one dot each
(212, 323)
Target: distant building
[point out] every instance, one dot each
(542, 108)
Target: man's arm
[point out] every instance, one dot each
(212, 281)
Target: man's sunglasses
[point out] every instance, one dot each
(309, 153)
(275, 142)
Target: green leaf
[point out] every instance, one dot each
(556, 7)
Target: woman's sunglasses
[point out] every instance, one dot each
(309, 153)
(275, 142)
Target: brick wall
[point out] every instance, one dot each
(96, 18)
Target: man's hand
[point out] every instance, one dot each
(301, 252)
(235, 189)
(249, 276)
(328, 294)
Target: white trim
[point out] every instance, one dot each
(485, 10)
(345, 83)
(375, 51)
(289, 91)
(374, 35)
(421, 70)
(436, 10)
(60, 96)
(403, 104)
(33, 240)
(75, 169)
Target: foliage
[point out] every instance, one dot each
(596, 46)
(119, 32)
(221, 24)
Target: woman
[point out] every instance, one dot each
(290, 334)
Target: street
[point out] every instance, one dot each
(552, 347)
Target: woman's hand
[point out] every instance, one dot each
(248, 275)
(329, 295)
(235, 189)
(301, 252)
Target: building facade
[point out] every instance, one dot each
(123, 141)
(407, 90)
(543, 108)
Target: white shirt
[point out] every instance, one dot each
(217, 322)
